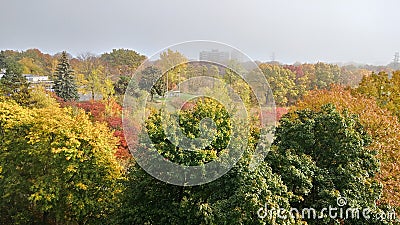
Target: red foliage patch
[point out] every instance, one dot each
(279, 112)
(112, 117)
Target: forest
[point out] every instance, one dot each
(68, 160)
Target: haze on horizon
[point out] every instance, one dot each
(362, 31)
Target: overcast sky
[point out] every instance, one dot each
(365, 31)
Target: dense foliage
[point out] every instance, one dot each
(57, 169)
(232, 199)
(64, 161)
(383, 128)
(321, 156)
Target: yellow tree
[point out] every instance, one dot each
(385, 90)
(281, 81)
(56, 167)
(173, 64)
(29, 66)
(91, 75)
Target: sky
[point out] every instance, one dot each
(362, 31)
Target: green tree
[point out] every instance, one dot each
(64, 85)
(121, 85)
(322, 155)
(14, 85)
(2, 60)
(383, 128)
(122, 61)
(152, 81)
(325, 74)
(235, 198)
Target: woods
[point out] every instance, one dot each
(68, 161)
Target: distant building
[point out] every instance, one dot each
(35, 80)
(214, 56)
(220, 56)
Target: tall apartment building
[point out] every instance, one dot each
(214, 56)
(220, 56)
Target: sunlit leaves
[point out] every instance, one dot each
(59, 167)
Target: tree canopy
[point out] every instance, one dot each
(65, 84)
(55, 169)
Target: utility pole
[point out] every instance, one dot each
(396, 60)
(273, 57)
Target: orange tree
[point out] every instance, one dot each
(383, 128)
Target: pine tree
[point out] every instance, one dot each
(64, 85)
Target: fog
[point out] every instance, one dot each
(363, 31)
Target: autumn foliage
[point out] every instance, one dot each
(379, 123)
(108, 112)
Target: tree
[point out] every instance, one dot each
(323, 155)
(281, 82)
(37, 62)
(107, 91)
(56, 170)
(90, 74)
(30, 66)
(122, 61)
(385, 90)
(352, 75)
(14, 85)
(234, 198)
(378, 123)
(302, 81)
(152, 81)
(64, 85)
(2, 60)
(121, 85)
(325, 74)
(173, 65)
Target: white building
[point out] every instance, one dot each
(34, 80)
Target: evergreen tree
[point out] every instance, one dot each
(13, 84)
(64, 85)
